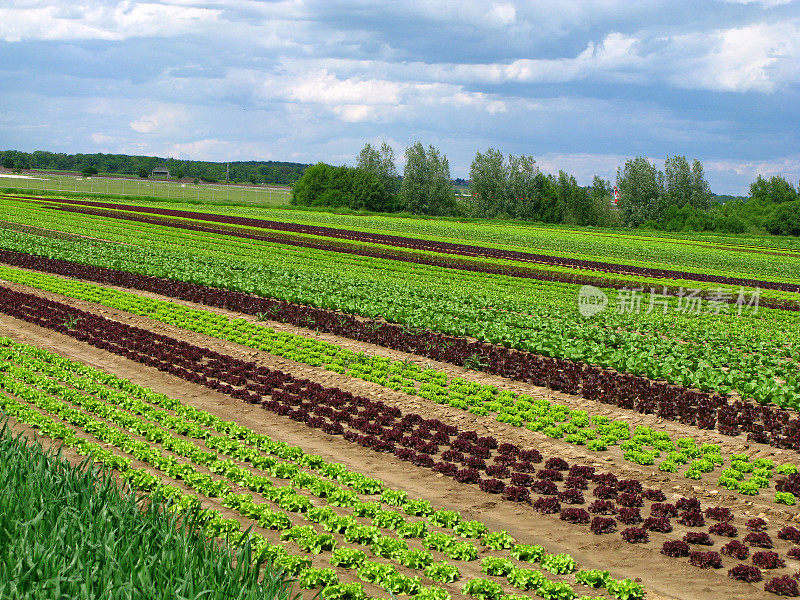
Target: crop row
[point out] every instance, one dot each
(446, 247)
(751, 354)
(613, 496)
(284, 496)
(447, 261)
(555, 421)
(764, 424)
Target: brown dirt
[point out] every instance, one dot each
(663, 577)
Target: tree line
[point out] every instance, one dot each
(678, 198)
(281, 173)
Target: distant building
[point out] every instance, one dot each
(161, 171)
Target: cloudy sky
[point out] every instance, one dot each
(579, 85)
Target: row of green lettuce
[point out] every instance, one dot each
(58, 387)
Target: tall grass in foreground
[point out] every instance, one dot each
(73, 533)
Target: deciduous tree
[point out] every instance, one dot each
(640, 191)
(426, 187)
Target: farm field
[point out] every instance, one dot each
(37, 182)
(420, 408)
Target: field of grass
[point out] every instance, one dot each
(71, 531)
(216, 193)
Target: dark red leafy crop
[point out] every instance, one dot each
(551, 474)
(579, 483)
(759, 539)
(719, 513)
(516, 494)
(524, 466)
(654, 495)
(507, 448)
(692, 518)
(575, 515)
(556, 463)
(705, 560)
(606, 479)
(630, 500)
(584, 472)
(602, 507)
(688, 504)
(571, 496)
(446, 468)
(498, 471)
(473, 462)
(658, 524)
(675, 548)
(768, 560)
(789, 533)
(635, 535)
(547, 506)
(699, 538)
(724, 529)
(783, 586)
(488, 441)
(521, 479)
(468, 476)
(631, 486)
(663, 510)
(493, 486)
(602, 525)
(480, 451)
(606, 492)
(453, 456)
(532, 455)
(629, 516)
(746, 573)
(545, 487)
(736, 549)
(504, 460)
(423, 460)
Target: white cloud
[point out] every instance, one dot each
(101, 138)
(760, 57)
(164, 119)
(502, 14)
(323, 87)
(96, 20)
(787, 166)
(216, 149)
(764, 3)
(356, 100)
(583, 165)
(616, 57)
